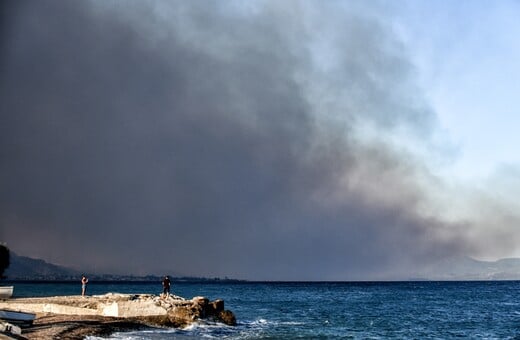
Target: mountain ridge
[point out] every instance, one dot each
(23, 268)
(461, 268)
(27, 268)
(467, 268)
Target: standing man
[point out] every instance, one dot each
(84, 282)
(166, 285)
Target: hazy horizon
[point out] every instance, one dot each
(455, 269)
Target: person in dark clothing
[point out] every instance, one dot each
(166, 285)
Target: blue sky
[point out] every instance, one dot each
(466, 54)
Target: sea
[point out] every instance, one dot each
(332, 310)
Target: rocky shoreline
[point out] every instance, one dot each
(73, 317)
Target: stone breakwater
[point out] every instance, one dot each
(131, 309)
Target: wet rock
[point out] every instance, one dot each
(215, 307)
(227, 317)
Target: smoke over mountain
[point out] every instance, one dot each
(248, 140)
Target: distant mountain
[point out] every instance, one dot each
(26, 268)
(466, 268)
(461, 268)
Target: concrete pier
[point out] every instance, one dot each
(122, 309)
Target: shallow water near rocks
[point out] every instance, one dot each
(360, 310)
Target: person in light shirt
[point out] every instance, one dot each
(84, 282)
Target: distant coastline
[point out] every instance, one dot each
(26, 269)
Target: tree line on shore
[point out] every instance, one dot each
(4, 259)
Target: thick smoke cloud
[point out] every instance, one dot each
(212, 138)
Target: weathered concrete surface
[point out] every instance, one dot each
(59, 326)
(131, 310)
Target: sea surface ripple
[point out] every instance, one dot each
(334, 310)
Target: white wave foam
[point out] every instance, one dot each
(264, 322)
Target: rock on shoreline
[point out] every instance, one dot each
(76, 316)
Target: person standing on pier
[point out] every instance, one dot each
(166, 285)
(84, 282)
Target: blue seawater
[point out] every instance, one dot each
(350, 310)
